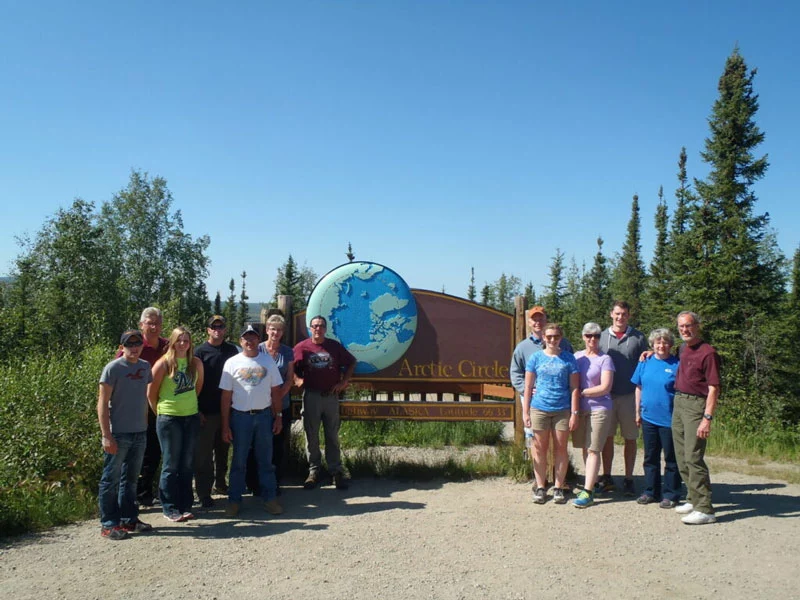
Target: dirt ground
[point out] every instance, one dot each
(398, 540)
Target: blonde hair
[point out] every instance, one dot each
(171, 361)
(277, 321)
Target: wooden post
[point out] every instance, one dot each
(519, 334)
(285, 306)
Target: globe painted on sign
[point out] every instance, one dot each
(369, 309)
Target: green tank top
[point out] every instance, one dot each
(177, 396)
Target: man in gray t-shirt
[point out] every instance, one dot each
(122, 413)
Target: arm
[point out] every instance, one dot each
(575, 401)
(200, 370)
(606, 381)
(517, 371)
(530, 382)
(225, 414)
(342, 385)
(638, 395)
(287, 385)
(152, 390)
(704, 429)
(277, 413)
(104, 417)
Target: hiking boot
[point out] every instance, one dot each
(341, 481)
(558, 496)
(539, 496)
(232, 510)
(273, 508)
(137, 527)
(627, 488)
(685, 508)
(667, 503)
(697, 518)
(115, 533)
(311, 481)
(583, 500)
(645, 499)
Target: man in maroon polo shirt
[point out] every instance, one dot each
(696, 394)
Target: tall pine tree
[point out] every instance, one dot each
(629, 276)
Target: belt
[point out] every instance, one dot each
(690, 395)
(254, 411)
(321, 393)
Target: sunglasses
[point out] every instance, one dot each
(217, 327)
(592, 335)
(132, 344)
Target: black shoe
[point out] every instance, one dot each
(146, 500)
(627, 488)
(221, 489)
(207, 502)
(340, 481)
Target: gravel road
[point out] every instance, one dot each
(398, 540)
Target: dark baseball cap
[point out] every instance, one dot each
(249, 329)
(129, 333)
(216, 318)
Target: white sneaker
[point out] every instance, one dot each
(698, 518)
(684, 509)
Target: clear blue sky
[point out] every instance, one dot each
(432, 135)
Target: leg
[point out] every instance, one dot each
(699, 482)
(678, 441)
(262, 441)
(541, 443)
(189, 426)
(330, 420)
(560, 439)
(169, 435)
(652, 459)
(242, 428)
(220, 459)
(152, 457)
(129, 510)
(203, 456)
(108, 495)
(312, 417)
(626, 416)
(672, 479)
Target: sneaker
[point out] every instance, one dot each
(207, 502)
(221, 489)
(645, 499)
(583, 500)
(697, 518)
(115, 533)
(539, 496)
(558, 496)
(667, 503)
(232, 510)
(311, 481)
(685, 508)
(604, 484)
(187, 516)
(137, 527)
(341, 481)
(627, 488)
(273, 508)
(174, 516)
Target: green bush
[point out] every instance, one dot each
(52, 456)
(364, 434)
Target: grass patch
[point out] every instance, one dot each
(367, 434)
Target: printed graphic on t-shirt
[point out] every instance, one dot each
(138, 375)
(250, 376)
(183, 383)
(319, 360)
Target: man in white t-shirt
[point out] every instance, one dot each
(251, 414)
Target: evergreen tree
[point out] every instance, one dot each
(656, 311)
(530, 295)
(294, 281)
(487, 296)
(230, 311)
(571, 302)
(595, 299)
(471, 293)
(244, 308)
(629, 275)
(350, 256)
(681, 251)
(217, 304)
(555, 290)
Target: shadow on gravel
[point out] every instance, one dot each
(740, 501)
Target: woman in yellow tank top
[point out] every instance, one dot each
(177, 378)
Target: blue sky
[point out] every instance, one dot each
(434, 136)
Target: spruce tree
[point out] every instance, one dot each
(218, 304)
(230, 311)
(555, 290)
(471, 293)
(244, 308)
(595, 299)
(629, 276)
(656, 308)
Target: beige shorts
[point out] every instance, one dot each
(547, 421)
(623, 412)
(594, 427)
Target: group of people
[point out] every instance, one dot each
(161, 401)
(616, 380)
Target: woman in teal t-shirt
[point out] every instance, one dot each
(177, 378)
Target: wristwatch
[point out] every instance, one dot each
(708, 417)
(574, 412)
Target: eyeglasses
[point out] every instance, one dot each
(217, 327)
(133, 344)
(592, 335)
(318, 326)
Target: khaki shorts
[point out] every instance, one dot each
(623, 412)
(547, 421)
(594, 427)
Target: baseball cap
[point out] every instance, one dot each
(129, 333)
(249, 329)
(216, 318)
(537, 310)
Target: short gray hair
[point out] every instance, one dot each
(694, 315)
(591, 327)
(151, 311)
(661, 334)
(277, 321)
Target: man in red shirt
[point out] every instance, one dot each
(696, 394)
(324, 368)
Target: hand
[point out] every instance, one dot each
(227, 435)
(638, 420)
(704, 429)
(645, 355)
(277, 424)
(202, 419)
(573, 422)
(110, 445)
(339, 387)
(526, 420)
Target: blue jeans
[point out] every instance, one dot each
(117, 495)
(178, 438)
(656, 439)
(252, 430)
